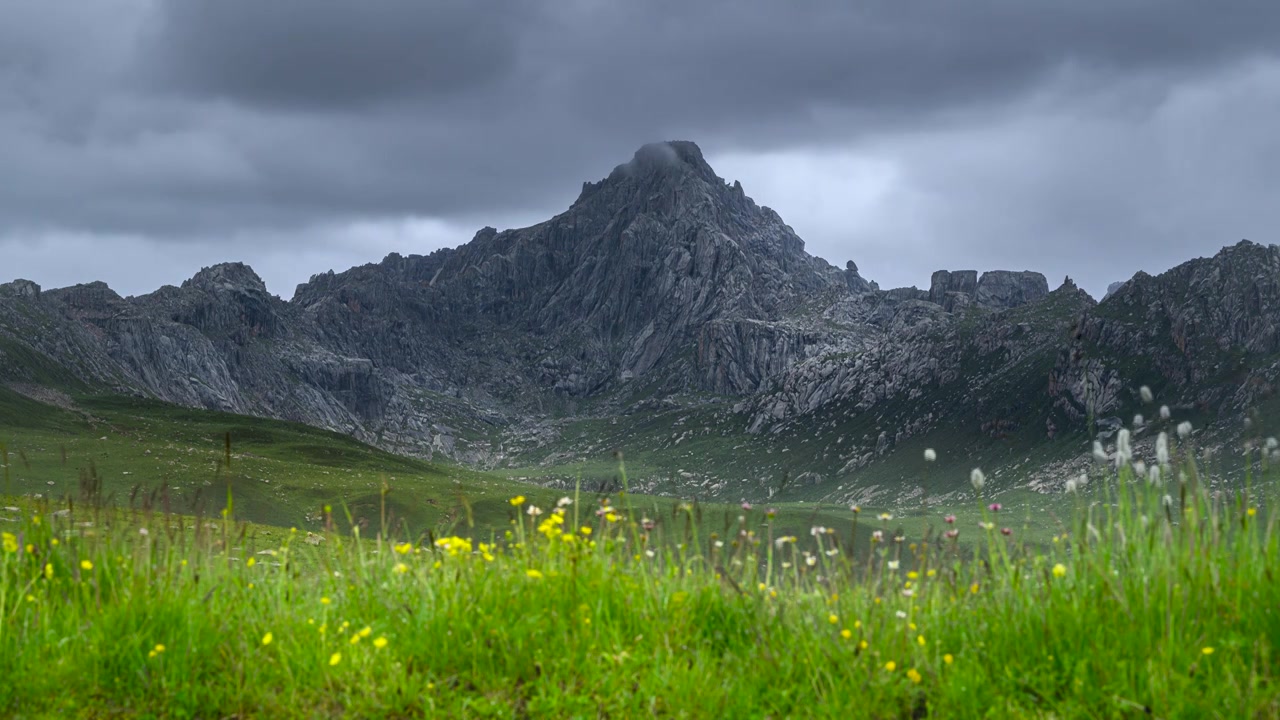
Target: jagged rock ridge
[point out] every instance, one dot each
(661, 280)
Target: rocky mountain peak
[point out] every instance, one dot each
(234, 277)
(21, 288)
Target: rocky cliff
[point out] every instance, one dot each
(662, 289)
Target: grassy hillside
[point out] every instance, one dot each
(134, 451)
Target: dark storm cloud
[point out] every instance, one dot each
(316, 54)
(180, 122)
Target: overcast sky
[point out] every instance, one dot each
(141, 140)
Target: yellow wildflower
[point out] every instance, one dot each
(324, 601)
(10, 542)
(86, 565)
(920, 640)
(404, 548)
(914, 675)
(846, 633)
(891, 666)
(334, 659)
(535, 574)
(380, 643)
(948, 659)
(355, 638)
(401, 568)
(585, 530)
(266, 639)
(974, 588)
(862, 645)
(833, 619)
(48, 571)
(1059, 570)
(1253, 511)
(1207, 651)
(517, 501)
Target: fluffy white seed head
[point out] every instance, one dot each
(1153, 475)
(1139, 421)
(1140, 469)
(1272, 443)
(1167, 500)
(977, 479)
(1162, 448)
(1145, 392)
(1184, 429)
(1164, 412)
(1124, 450)
(930, 455)
(1071, 485)
(1099, 453)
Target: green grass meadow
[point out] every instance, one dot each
(1153, 601)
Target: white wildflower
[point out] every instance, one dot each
(1145, 392)
(817, 530)
(534, 510)
(1140, 469)
(811, 560)
(901, 615)
(893, 564)
(784, 540)
(1162, 448)
(930, 455)
(1153, 476)
(564, 502)
(1124, 451)
(977, 479)
(1184, 429)
(1099, 453)
(908, 592)
(1164, 412)
(833, 552)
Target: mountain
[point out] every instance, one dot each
(667, 314)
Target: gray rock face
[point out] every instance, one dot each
(996, 290)
(1002, 289)
(945, 287)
